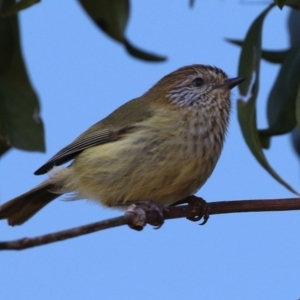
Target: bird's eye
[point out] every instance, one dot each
(198, 82)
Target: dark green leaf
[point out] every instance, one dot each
(276, 57)
(20, 123)
(142, 54)
(282, 98)
(293, 26)
(111, 17)
(247, 119)
(293, 3)
(249, 67)
(295, 135)
(280, 3)
(298, 108)
(3, 148)
(16, 7)
(268, 55)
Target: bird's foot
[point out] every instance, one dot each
(145, 211)
(199, 206)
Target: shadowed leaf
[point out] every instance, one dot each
(271, 56)
(249, 67)
(295, 135)
(293, 3)
(142, 54)
(20, 123)
(16, 7)
(111, 17)
(282, 98)
(280, 3)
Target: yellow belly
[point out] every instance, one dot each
(148, 164)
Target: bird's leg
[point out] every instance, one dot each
(144, 211)
(199, 206)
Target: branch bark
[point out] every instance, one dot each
(150, 216)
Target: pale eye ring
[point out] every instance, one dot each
(198, 82)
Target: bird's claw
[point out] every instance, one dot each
(200, 209)
(145, 211)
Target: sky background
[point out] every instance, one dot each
(81, 75)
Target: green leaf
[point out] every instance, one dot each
(293, 3)
(282, 98)
(111, 17)
(295, 135)
(294, 25)
(20, 123)
(16, 7)
(142, 54)
(249, 66)
(280, 3)
(276, 57)
(3, 147)
(298, 107)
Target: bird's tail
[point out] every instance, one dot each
(20, 209)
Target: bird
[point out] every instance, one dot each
(161, 146)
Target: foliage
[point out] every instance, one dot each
(20, 123)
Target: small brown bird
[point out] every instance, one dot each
(162, 147)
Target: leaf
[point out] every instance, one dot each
(16, 7)
(111, 17)
(293, 26)
(142, 54)
(298, 107)
(249, 66)
(293, 3)
(20, 123)
(295, 135)
(276, 57)
(282, 99)
(280, 3)
(3, 148)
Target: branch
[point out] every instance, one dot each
(150, 216)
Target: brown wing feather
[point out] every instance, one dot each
(110, 129)
(73, 149)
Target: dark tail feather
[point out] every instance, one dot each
(20, 209)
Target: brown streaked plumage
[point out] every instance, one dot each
(162, 146)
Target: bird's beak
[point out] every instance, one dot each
(232, 82)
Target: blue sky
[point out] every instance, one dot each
(81, 76)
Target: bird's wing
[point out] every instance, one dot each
(124, 119)
(80, 144)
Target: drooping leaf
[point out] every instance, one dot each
(298, 107)
(142, 54)
(295, 136)
(3, 148)
(293, 26)
(276, 57)
(280, 3)
(293, 3)
(111, 17)
(249, 66)
(16, 7)
(282, 98)
(272, 56)
(20, 123)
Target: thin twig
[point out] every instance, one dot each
(182, 211)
